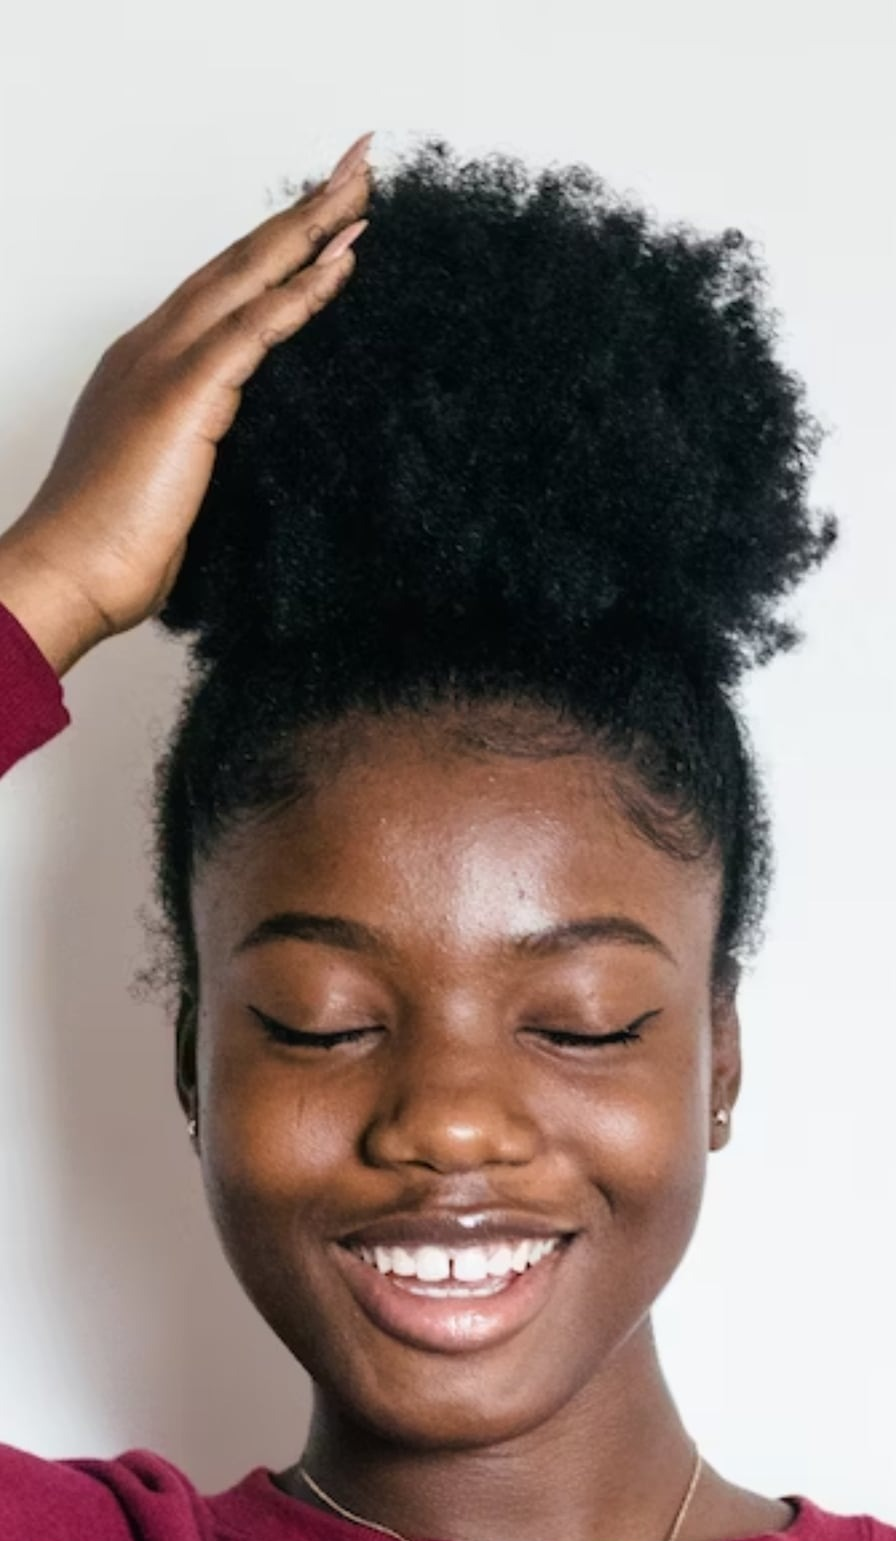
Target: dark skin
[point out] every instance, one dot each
(455, 1092)
(568, 1427)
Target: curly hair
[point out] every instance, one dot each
(540, 450)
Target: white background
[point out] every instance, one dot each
(136, 142)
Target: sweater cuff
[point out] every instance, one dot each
(32, 708)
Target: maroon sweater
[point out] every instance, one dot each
(139, 1496)
(31, 705)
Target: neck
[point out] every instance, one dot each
(612, 1464)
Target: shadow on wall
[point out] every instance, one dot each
(169, 1352)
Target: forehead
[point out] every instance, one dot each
(454, 835)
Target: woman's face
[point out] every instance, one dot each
(459, 914)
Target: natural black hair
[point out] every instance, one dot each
(540, 450)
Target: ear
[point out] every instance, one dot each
(726, 1058)
(185, 1052)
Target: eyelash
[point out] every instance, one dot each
(298, 1040)
(293, 1038)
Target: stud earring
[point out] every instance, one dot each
(193, 1129)
(721, 1116)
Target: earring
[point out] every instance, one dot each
(193, 1129)
(721, 1116)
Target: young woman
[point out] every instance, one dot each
(459, 838)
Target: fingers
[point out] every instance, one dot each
(269, 255)
(278, 247)
(232, 350)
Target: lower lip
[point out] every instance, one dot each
(450, 1324)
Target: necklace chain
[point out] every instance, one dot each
(384, 1529)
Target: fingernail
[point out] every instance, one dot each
(341, 242)
(348, 164)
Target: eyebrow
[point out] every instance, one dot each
(351, 935)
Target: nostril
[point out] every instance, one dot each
(447, 1144)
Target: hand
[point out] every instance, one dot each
(99, 546)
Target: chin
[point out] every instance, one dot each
(469, 1409)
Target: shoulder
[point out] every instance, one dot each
(812, 1523)
(138, 1496)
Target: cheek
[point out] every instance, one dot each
(651, 1155)
(640, 1139)
(273, 1142)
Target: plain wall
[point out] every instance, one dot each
(136, 142)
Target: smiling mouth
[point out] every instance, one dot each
(460, 1272)
(451, 1300)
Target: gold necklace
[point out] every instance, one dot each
(384, 1529)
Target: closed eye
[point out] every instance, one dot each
(296, 1039)
(557, 1037)
(561, 1038)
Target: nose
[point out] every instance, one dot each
(451, 1108)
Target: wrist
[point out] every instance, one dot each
(48, 603)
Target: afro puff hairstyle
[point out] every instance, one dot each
(539, 450)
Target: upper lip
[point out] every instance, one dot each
(453, 1228)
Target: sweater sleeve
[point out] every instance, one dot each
(32, 709)
(138, 1496)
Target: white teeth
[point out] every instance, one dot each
(433, 1264)
(521, 1256)
(403, 1264)
(500, 1262)
(469, 1265)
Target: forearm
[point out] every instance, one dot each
(48, 606)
